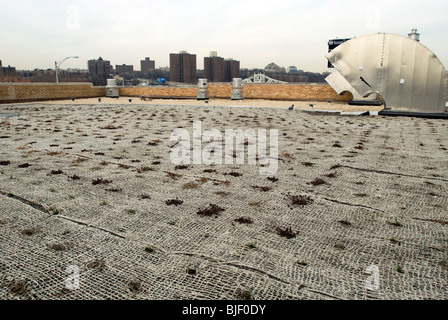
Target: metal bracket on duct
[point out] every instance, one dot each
(407, 75)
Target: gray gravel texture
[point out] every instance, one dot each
(87, 186)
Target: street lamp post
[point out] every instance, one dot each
(58, 64)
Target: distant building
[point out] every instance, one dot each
(291, 74)
(292, 78)
(216, 69)
(48, 75)
(183, 67)
(9, 74)
(99, 67)
(232, 69)
(292, 69)
(124, 68)
(7, 71)
(147, 65)
(273, 68)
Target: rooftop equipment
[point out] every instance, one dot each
(203, 90)
(414, 35)
(237, 89)
(397, 70)
(112, 88)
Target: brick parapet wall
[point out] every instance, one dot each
(308, 92)
(25, 92)
(162, 92)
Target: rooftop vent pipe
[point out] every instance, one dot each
(414, 35)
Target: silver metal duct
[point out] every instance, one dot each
(340, 84)
(406, 74)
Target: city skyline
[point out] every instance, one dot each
(35, 34)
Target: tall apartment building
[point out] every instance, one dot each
(232, 69)
(183, 67)
(216, 69)
(123, 68)
(147, 65)
(99, 67)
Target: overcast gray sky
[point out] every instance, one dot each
(35, 33)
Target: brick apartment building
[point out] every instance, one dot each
(99, 71)
(7, 71)
(216, 69)
(99, 67)
(232, 69)
(147, 65)
(9, 74)
(183, 67)
(123, 68)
